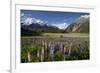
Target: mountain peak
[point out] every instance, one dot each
(81, 24)
(30, 20)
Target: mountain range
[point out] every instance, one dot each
(33, 26)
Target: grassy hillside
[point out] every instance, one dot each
(81, 25)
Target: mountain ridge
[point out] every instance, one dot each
(80, 25)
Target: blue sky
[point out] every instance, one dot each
(52, 17)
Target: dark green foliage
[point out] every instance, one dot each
(33, 51)
(23, 55)
(79, 51)
(26, 32)
(58, 56)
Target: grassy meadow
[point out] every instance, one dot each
(55, 47)
(66, 34)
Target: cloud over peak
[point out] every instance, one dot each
(85, 16)
(27, 20)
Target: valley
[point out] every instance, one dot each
(61, 36)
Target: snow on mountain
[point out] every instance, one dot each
(30, 20)
(61, 25)
(85, 16)
(27, 20)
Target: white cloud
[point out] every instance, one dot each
(28, 21)
(61, 25)
(39, 21)
(85, 16)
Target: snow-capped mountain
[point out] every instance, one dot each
(30, 20)
(61, 25)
